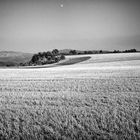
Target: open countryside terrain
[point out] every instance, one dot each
(10, 58)
(98, 98)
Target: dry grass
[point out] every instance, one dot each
(81, 101)
(75, 60)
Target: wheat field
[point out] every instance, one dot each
(95, 99)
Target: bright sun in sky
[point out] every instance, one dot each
(61, 5)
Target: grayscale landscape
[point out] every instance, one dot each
(69, 70)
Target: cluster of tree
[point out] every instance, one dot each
(48, 57)
(73, 52)
(126, 51)
(131, 50)
(77, 52)
(93, 52)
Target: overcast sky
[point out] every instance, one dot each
(41, 25)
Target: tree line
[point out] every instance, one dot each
(76, 52)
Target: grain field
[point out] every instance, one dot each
(95, 99)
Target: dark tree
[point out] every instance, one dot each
(35, 58)
(49, 58)
(48, 54)
(40, 54)
(56, 59)
(85, 52)
(55, 52)
(73, 52)
(62, 57)
(89, 52)
(46, 58)
(100, 51)
(131, 50)
(116, 51)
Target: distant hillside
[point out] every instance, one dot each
(10, 58)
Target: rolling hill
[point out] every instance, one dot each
(11, 58)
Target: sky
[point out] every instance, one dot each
(42, 25)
